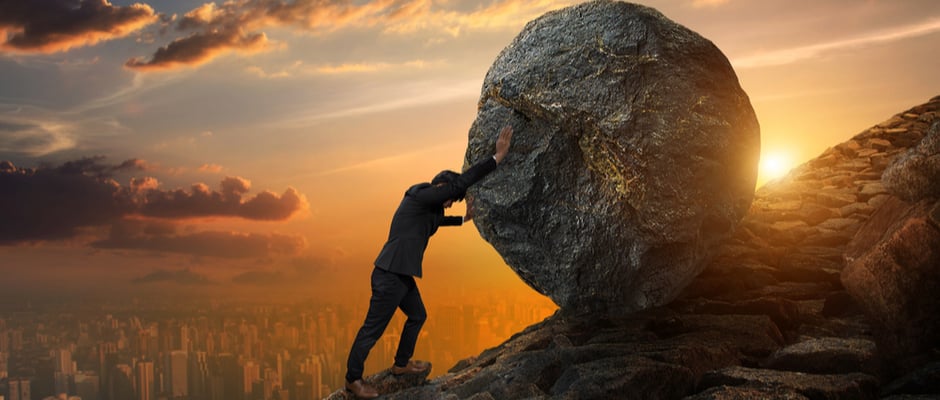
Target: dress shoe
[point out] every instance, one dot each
(413, 367)
(361, 389)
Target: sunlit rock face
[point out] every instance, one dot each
(635, 152)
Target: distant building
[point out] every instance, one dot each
(178, 373)
(146, 389)
(19, 389)
(251, 374)
(198, 375)
(86, 387)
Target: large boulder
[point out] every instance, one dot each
(893, 272)
(635, 152)
(916, 174)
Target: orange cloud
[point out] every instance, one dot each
(213, 168)
(708, 3)
(53, 26)
(199, 48)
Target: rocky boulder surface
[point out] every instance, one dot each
(635, 154)
(893, 263)
(767, 318)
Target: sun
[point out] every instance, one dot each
(773, 165)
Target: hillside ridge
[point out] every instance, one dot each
(767, 318)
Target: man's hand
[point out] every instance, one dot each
(469, 215)
(502, 143)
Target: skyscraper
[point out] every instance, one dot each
(86, 386)
(178, 373)
(198, 373)
(251, 372)
(120, 382)
(145, 381)
(19, 389)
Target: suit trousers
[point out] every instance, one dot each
(389, 292)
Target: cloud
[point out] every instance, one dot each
(54, 202)
(139, 235)
(368, 67)
(183, 277)
(796, 54)
(49, 26)
(200, 201)
(708, 3)
(199, 48)
(50, 203)
(35, 138)
(237, 24)
(211, 168)
(298, 68)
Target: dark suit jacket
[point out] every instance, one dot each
(419, 215)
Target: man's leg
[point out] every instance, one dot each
(413, 307)
(387, 293)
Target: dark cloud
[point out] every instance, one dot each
(48, 26)
(235, 25)
(199, 48)
(183, 277)
(54, 202)
(32, 137)
(136, 235)
(93, 166)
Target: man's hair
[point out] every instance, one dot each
(445, 177)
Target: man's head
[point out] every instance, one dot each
(445, 177)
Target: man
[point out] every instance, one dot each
(418, 216)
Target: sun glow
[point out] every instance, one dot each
(773, 166)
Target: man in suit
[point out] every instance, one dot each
(418, 216)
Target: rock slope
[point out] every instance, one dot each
(767, 318)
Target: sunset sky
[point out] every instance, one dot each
(264, 144)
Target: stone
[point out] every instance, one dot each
(828, 355)
(746, 393)
(835, 198)
(893, 272)
(879, 144)
(923, 380)
(916, 174)
(856, 208)
(855, 386)
(870, 190)
(636, 378)
(839, 224)
(635, 153)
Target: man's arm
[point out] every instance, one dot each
(436, 195)
(452, 221)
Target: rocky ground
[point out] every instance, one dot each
(768, 318)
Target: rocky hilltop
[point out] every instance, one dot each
(769, 317)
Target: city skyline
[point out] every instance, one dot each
(187, 349)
